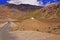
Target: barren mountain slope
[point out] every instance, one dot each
(14, 11)
(51, 12)
(47, 13)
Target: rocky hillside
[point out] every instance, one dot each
(14, 11)
(51, 11)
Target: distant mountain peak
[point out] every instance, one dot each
(14, 11)
(24, 7)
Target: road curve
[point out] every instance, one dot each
(5, 26)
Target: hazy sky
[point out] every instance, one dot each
(32, 2)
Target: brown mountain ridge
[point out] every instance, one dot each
(14, 11)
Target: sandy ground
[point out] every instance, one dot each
(36, 25)
(33, 25)
(27, 35)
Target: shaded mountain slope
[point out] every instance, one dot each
(24, 7)
(14, 11)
